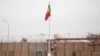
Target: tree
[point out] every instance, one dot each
(91, 35)
(24, 40)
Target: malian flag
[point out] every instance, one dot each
(48, 13)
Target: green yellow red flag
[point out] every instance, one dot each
(48, 13)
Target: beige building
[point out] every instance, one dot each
(62, 48)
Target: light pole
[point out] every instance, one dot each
(8, 28)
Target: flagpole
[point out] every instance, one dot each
(48, 14)
(49, 54)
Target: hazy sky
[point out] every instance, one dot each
(27, 16)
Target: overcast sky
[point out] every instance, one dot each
(26, 17)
